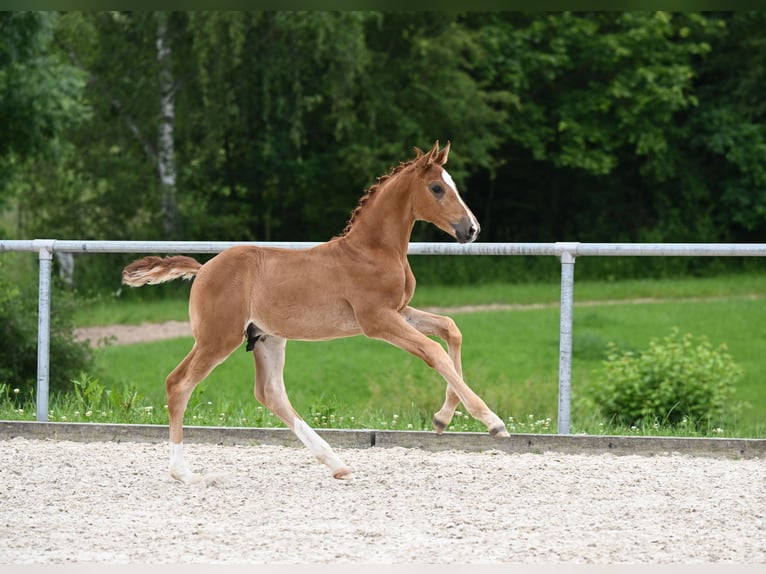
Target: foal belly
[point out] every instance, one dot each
(304, 321)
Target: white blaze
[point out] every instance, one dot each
(451, 182)
(448, 178)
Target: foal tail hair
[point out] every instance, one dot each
(153, 270)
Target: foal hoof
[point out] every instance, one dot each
(192, 478)
(439, 426)
(186, 477)
(343, 473)
(500, 431)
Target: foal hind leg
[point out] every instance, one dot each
(269, 354)
(446, 329)
(179, 385)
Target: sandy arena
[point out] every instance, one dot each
(107, 502)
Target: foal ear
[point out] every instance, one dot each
(436, 156)
(441, 157)
(433, 154)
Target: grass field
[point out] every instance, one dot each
(510, 357)
(135, 306)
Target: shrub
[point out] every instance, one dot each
(91, 395)
(18, 331)
(676, 379)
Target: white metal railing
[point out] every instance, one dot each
(567, 252)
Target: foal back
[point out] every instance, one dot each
(312, 294)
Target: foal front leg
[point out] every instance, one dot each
(269, 354)
(391, 326)
(446, 329)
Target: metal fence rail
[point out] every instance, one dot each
(567, 252)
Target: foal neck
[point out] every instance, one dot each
(384, 219)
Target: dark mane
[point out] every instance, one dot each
(374, 188)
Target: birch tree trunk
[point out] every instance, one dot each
(166, 167)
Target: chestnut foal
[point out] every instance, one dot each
(357, 283)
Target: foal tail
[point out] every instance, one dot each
(158, 270)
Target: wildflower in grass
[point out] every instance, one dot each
(63, 418)
(16, 391)
(542, 424)
(20, 411)
(88, 414)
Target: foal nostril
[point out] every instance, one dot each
(466, 230)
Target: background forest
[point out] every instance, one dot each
(605, 126)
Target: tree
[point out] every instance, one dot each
(40, 95)
(166, 161)
(274, 103)
(606, 126)
(600, 104)
(728, 130)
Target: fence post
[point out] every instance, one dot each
(45, 255)
(567, 253)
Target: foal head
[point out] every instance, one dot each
(435, 197)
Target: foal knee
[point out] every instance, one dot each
(452, 332)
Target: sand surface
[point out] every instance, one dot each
(109, 502)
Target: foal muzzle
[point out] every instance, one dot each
(466, 230)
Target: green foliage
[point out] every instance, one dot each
(92, 396)
(595, 85)
(677, 380)
(18, 331)
(40, 94)
(584, 126)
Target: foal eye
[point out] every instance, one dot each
(436, 189)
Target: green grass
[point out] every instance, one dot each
(135, 306)
(509, 357)
(132, 311)
(527, 293)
